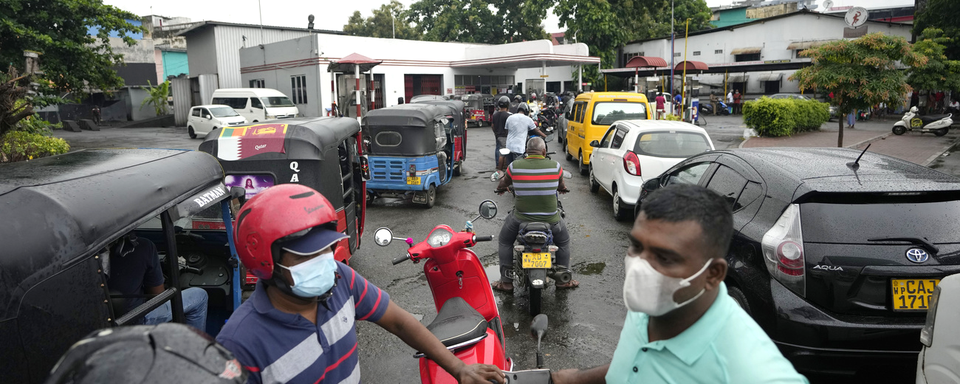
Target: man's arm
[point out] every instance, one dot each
(575, 376)
(401, 323)
(505, 183)
(561, 187)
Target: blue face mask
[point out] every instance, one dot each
(314, 277)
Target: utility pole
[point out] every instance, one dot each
(683, 82)
(672, 35)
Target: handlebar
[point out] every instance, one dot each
(484, 238)
(401, 259)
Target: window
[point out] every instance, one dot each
(676, 54)
(688, 175)
(618, 138)
(750, 194)
(607, 137)
(388, 139)
(257, 83)
(204, 113)
(195, 112)
(298, 89)
(671, 144)
(224, 112)
(727, 183)
(696, 53)
(256, 103)
(717, 51)
(233, 102)
(747, 57)
(579, 108)
(607, 112)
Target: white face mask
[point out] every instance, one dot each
(648, 291)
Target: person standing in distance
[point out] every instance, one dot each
(499, 124)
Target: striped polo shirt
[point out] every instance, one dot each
(279, 347)
(535, 181)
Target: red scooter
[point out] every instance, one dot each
(468, 321)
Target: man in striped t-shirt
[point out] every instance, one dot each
(536, 181)
(299, 325)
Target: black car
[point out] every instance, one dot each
(835, 260)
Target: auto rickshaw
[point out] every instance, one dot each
(456, 130)
(62, 214)
(322, 153)
(476, 111)
(409, 150)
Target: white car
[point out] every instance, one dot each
(206, 118)
(939, 361)
(633, 150)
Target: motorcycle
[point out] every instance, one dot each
(468, 321)
(937, 124)
(707, 108)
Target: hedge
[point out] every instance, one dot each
(784, 117)
(22, 145)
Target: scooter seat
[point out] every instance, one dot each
(927, 119)
(534, 226)
(457, 323)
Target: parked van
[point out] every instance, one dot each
(256, 104)
(591, 116)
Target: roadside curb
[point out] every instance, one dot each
(870, 140)
(933, 158)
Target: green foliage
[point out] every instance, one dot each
(382, 24)
(158, 97)
(784, 117)
(940, 72)
(941, 14)
(58, 30)
(672, 117)
(479, 21)
(37, 125)
(21, 145)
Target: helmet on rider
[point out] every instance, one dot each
(523, 108)
(503, 102)
(289, 218)
(533, 95)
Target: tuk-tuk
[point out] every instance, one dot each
(409, 150)
(456, 130)
(62, 214)
(476, 110)
(321, 153)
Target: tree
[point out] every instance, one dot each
(860, 73)
(479, 21)
(71, 58)
(157, 97)
(382, 23)
(941, 14)
(940, 72)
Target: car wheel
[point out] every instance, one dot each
(898, 130)
(190, 131)
(594, 185)
(431, 196)
(582, 167)
(941, 131)
(739, 297)
(566, 151)
(621, 211)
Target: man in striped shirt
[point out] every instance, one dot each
(536, 180)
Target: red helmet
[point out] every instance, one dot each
(275, 213)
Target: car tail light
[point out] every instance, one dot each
(631, 163)
(782, 247)
(413, 170)
(926, 333)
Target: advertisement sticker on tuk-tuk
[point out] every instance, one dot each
(243, 142)
(252, 184)
(202, 200)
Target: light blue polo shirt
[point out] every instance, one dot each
(724, 346)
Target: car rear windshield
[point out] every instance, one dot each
(607, 112)
(276, 101)
(856, 222)
(223, 112)
(671, 144)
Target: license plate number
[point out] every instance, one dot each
(413, 181)
(912, 294)
(537, 260)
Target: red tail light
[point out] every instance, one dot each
(631, 163)
(790, 258)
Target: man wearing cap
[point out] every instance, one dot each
(299, 326)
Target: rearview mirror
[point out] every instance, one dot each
(383, 236)
(595, 144)
(488, 209)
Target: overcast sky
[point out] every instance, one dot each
(330, 14)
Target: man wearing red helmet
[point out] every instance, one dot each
(282, 333)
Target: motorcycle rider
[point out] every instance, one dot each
(517, 100)
(535, 180)
(299, 325)
(534, 106)
(519, 128)
(499, 124)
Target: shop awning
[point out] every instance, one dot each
(771, 77)
(746, 51)
(349, 63)
(691, 66)
(645, 61)
(807, 44)
(737, 78)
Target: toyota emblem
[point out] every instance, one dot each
(917, 255)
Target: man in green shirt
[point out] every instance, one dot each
(681, 325)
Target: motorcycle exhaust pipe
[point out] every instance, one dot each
(560, 277)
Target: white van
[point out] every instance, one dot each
(256, 104)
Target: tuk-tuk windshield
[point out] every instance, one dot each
(276, 101)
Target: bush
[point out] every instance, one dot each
(21, 145)
(784, 117)
(671, 117)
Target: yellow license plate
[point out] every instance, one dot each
(413, 180)
(537, 260)
(912, 294)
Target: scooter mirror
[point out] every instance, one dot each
(383, 236)
(567, 174)
(504, 151)
(488, 209)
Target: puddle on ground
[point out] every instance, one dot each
(590, 269)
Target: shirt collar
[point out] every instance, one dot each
(541, 157)
(690, 344)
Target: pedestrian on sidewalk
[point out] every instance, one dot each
(730, 99)
(661, 101)
(736, 102)
(714, 102)
(851, 119)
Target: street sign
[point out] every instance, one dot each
(856, 16)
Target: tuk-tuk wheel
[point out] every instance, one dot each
(431, 196)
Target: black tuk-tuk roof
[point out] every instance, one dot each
(406, 115)
(305, 138)
(63, 208)
(456, 108)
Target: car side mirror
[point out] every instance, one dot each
(595, 144)
(651, 184)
